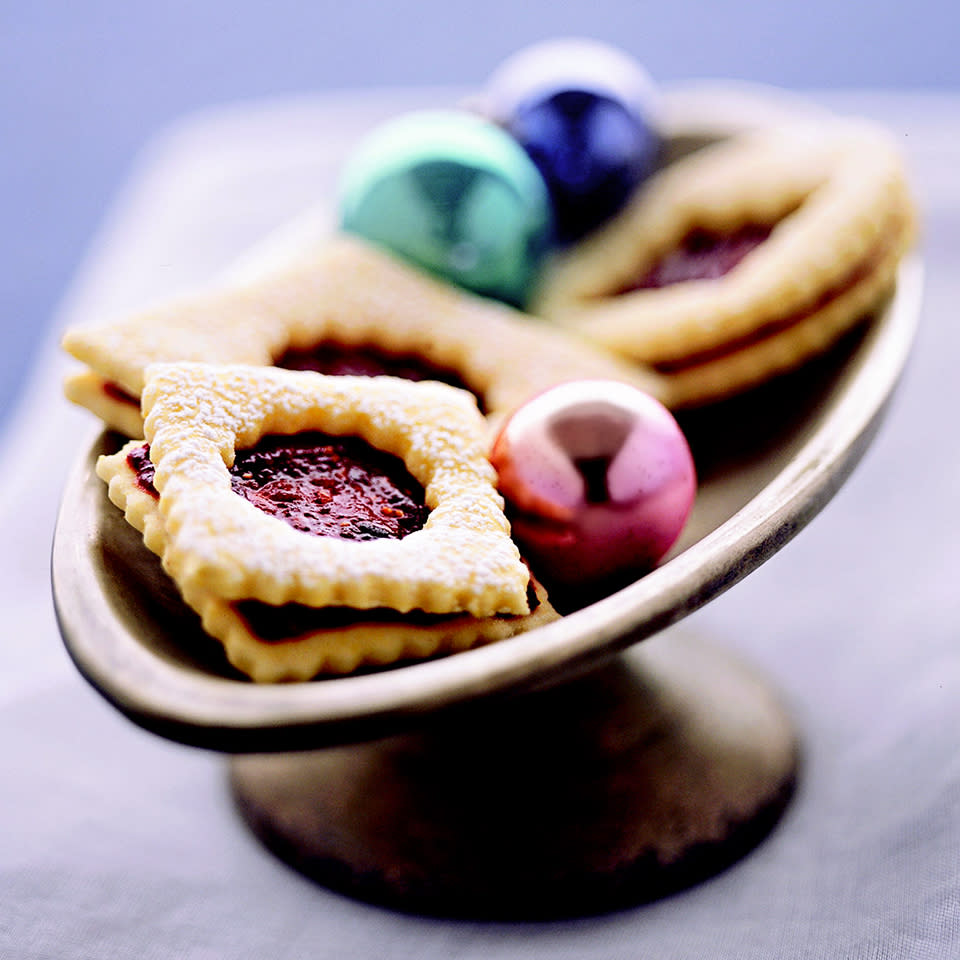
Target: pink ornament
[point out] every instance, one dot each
(599, 481)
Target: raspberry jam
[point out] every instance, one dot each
(138, 459)
(330, 486)
(324, 485)
(335, 359)
(703, 255)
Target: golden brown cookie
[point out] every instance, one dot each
(329, 309)
(741, 260)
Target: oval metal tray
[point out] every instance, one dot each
(768, 461)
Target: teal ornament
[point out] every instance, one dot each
(454, 194)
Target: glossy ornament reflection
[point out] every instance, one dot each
(455, 195)
(599, 480)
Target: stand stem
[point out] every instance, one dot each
(647, 775)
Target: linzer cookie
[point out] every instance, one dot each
(318, 523)
(344, 308)
(200, 417)
(742, 260)
(296, 642)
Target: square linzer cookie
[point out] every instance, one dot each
(342, 308)
(320, 523)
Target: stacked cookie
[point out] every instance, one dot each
(321, 523)
(743, 260)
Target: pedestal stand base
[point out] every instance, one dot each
(655, 771)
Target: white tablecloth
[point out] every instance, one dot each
(115, 843)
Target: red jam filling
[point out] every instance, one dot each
(335, 359)
(330, 486)
(856, 274)
(703, 255)
(138, 459)
(327, 486)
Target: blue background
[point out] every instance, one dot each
(85, 84)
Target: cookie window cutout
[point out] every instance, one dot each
(201, 418)
(345, 308)
(701, 255)
(294, 642)
(743, 259)
(330, 486)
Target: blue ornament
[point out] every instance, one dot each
(583, 111)
(455, 195)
